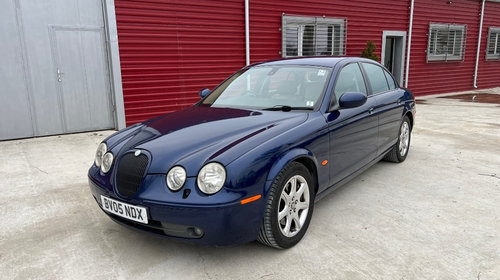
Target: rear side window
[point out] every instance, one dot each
(390, 80)
(350, 79)
(376, 77)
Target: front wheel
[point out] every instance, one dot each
(289, 207)
(400, 150)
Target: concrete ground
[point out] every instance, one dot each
(435, 216)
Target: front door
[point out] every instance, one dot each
(353, 132)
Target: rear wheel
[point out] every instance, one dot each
(400, 150)
(289, 207)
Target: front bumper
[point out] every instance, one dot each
(221, 224)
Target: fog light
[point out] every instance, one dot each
(182, 230)
(198, 231)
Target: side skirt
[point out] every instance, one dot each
(348, 178)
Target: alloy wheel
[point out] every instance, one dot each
(293, 206)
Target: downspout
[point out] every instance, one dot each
(247, 33)
(410, 28)
(479, 44)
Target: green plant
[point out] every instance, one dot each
(368, 52)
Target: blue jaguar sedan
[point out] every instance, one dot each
(248, 161)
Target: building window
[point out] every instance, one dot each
(313, 36)
(446, 42)
(493, 47)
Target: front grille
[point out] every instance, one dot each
(130, 172)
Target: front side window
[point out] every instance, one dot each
(377, 78)
(493, 47)
(313, 36)
(295, 87)
(349, 79)
(446, 42)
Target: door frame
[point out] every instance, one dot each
(401, 34)
(114, 67)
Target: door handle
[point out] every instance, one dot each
(370, 111)
(59, 75)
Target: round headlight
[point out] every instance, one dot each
(211, 178)
(176, 178)
(101, 150)
(107, 161)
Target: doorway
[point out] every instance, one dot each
(393, 53)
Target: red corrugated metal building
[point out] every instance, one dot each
(170, 49)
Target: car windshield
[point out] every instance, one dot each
(281, 87)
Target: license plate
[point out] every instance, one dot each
(127, 211)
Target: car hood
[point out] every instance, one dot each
(201, 134)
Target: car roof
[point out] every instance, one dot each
(324, 61)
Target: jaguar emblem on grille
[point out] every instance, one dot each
(137, 153)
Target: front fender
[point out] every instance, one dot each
(261, 165)
(284, 160)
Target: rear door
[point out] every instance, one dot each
(353, 132)
(389, 104)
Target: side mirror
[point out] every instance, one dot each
(204, 92)
(352, 100)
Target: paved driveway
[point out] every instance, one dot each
(436, 216)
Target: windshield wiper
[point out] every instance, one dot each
(286, 108)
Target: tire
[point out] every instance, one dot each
(400, 150)
(294, 180)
